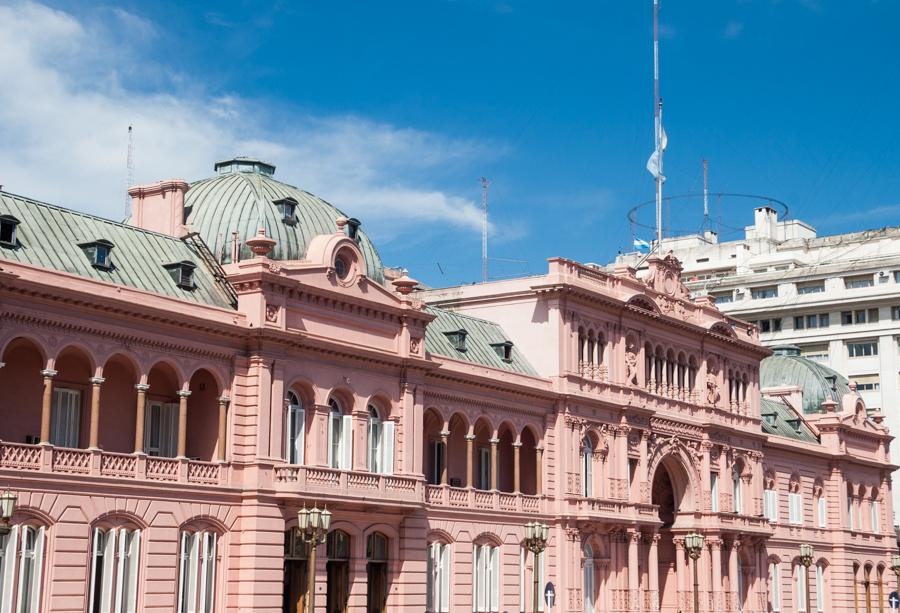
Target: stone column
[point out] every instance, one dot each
(634, 579)
(182, 421)
(445, 436)
(715, 550)
(517, 474)
(46, 401)
(142, 389)
(653, 571)
(223, 419)
(96, 382)
(733, 574)
(470, 452)
(681, 572)
(495, 468)
(539, 470)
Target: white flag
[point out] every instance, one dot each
(653, 162)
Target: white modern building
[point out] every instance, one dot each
(835, 297)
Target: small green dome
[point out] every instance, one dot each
(244, 195)
(817, 382)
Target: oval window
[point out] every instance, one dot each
(341, 267)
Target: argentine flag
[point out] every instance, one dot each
(653, 163)
(641, 245)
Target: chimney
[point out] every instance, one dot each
(159, 207)
(765, 222)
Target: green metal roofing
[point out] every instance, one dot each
(49, 236)
(816, 381)
(242, 197)
(781, 420)
(480, 335)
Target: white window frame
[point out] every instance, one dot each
(340, 437)
(800, 588)
(438, 579)
(714, 492)
(484, 468)
(22, 569)
(161, 424)
(295, 430)
(736, 492)
(587, 468)
(486, 579)
(770, 501)
(66, 417)
(822, 510)
(774, 587)
(115, 563)
(820, 588)
(588, 581)
(197, 572)
(795, 508)
(874, 516)
(380, 452)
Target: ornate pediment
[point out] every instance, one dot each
(665, 277)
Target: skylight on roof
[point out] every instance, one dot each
(8, 225)
(457, 338)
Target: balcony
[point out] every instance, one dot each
(92, 463)
(486, 500)
(356, 486)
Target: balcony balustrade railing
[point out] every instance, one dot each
(488, 500)
(343, 483)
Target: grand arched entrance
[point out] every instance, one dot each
(669, 491)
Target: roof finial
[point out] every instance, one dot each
(261, 244)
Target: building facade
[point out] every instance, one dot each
(176, 389)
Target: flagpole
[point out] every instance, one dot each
(657, 123)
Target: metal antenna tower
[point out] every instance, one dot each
(129, 174)
(485, 184)
(705, 195)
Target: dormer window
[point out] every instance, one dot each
(457, 338)
(353, 225)
(182, 273)
(8, 225)
(770, 418)
(288, 209)
(504, 350)
(98, 252)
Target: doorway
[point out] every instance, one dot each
(295, 577)
(337, 548)
(376, 573)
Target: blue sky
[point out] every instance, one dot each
(393, 110)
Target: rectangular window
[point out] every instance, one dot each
(765, 325)
(823, 320)
(295, 427)
(66, 417)
(859, 281)
(437, 587)
(846, 318)
(873, 316)
(866, 383)
(758, 293)
(820, 588)
(437, 461)
(776, 325)
(484, 468)
(799, 322)
(800, 587)
(770, 505)
(851, 515)
(714, 493)
(895, 312)
(822, 511)
(862, 349)
(818, 353)
(795, 508)
(736, 493)
(723, 298)
(197, 572)
(811, 288)
(486, 579)
(859, 317)
(340, 440)
(161, 429)
(21, 568)
(114, 569)
(775, 585)
(812, 321)
(874, 516)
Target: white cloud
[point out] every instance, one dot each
(65, 107)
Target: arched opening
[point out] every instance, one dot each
(22, 385)
(337, 551)
(506, 465)
(70, 409)
(295, 429)
(376, 573)
(433, 460)
(587, 466)
(296, 567)
(482, 460)
(161, 412)
(203, 417)
(118, 398)
(528, 462)
(589, 588)
(339, 435)
(669, 492)
(456, 450)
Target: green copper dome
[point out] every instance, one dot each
(817, 382)
(244, 195)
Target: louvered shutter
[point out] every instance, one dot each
(95, 548)
(477, 593)
(430, 576)
(522, 596)
(193, 562)
(329, 433)
(540, 565)
(9, 569)
(169, 430)
(347, 442)
(210, 575)
(134, 563)
(37, 572)
(203, 537)
(387, 443)
(109, 565)
(495, 578)
(300, 435)
(120, 567)
(182, 573)
(444, 576)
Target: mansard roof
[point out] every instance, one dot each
(481, 338)
(817, 382)
(779, 419)
(50, 237)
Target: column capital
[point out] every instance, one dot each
(494, 441)
(2, 364)
(49, 373)
(539, 449)
(635, 535)
(97, 380)
(445, 433)
(224, 399)
(183, 393)
(142, 387)
(470, 437)
(517, 444)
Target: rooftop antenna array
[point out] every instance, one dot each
(129, 172)
(485, 184)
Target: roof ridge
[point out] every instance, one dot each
(465, 316)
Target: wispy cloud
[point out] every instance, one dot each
(65, 107)
(732, 30)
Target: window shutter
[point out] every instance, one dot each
(495, 578)
(182, 572)
(109, 565)
(120, 567)
(387, 442)
(775, 506)
(522, 580)
(801, 588)
(430, 575)
(134, 563)
(35, 602)
(149, 411)
(540, 565)
(204, 567)
(95, 547)
(210, 575)
(477, 599)
(821, 508)
(9, 569)
(330, 440)
(347, 442)
(820, 589)
(300, 438)
(371, 462)
(445, 577)
(193, 560)
(169, 431)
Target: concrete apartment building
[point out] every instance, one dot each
(835, 297)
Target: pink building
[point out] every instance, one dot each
(175, 390)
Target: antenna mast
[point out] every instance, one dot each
(129, 174)
(485, 184)
(705, 195)
(657, 125)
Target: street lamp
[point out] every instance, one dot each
(693, 542)
(806, 558)
(7, 508)
(312, 524)
(895, 566)
(536, 541)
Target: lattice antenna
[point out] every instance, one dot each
(129, 171)
(485, 184)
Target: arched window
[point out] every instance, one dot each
(800, 584)
(22, 563)
(820, 587)
(437, 589)
(588, 579)
(795, 502)
(526, 581)
(295, 572)
(197, 571)
(736, 490)
(340, 436)
(381, 443)
(774, 586)
(587, 467)
(337, 545)
(874, 513)
(486, 578)
(295, 428)
(770, 499)
(115, 560)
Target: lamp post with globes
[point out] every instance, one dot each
(313, 526)
(693, 542)
(7, 508)
(536, 541)
(806, 559)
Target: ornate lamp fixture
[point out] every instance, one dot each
(536, 535)
(807, 553)
(313, 526)
(7, 508)
(693, 542)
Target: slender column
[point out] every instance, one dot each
(46, 401)
(653, 571)
(737, 599)
(715, 591)
(223, 418)
(495, 468)
(142, 389)
(182, 421)
(445, 436)
(517, 474)
(538, 466)
(96, 382)
(470, 451)
(634, 541)
(680, 570)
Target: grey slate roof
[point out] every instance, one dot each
(480, 334)
(241, 200)
(787, 367)
(779, 419)
(49, 236)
